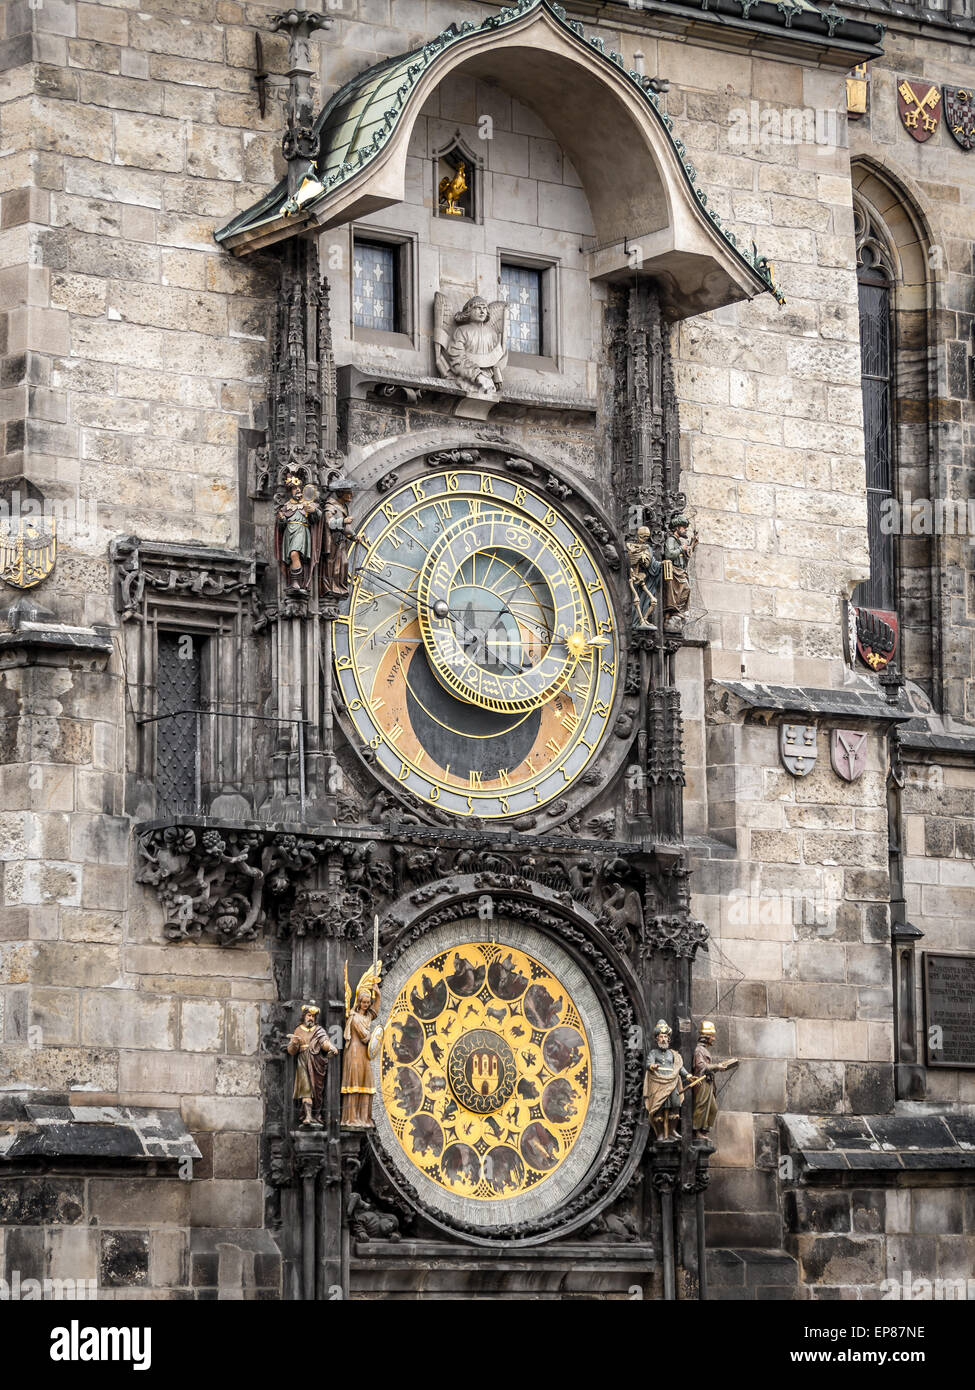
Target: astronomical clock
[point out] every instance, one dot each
(477, 661)
(440, 777)
(458, 822)
(479, 656)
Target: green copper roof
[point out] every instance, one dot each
(358, 119)
(356, 123)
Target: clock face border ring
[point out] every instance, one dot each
(443, 563)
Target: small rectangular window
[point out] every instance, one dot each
(375, 286)
(521, 288)
(179, 693)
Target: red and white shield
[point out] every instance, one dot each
(848, 753)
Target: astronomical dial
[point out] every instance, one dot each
(478, 654)
(501, 611)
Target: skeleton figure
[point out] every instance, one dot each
(644, 571)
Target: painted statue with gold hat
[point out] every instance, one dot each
(704, 1068)
(311, 1047)
(298, 536)
(663, 1082)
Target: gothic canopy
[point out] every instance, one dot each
(638, 176)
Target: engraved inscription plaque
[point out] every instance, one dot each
(949, 1009)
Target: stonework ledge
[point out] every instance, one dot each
(361, 383)
(753, 700)
(55, 636)
(388, 1269)
(95, 1132)
(919, 736)
(831, 1147)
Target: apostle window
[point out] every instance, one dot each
(383, 274)
(522, 288)
(374, 288)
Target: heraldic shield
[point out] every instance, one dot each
(797, 746)
(919, 107)
(877, 633)
(28, 550)
(960, 114)
(848, 753)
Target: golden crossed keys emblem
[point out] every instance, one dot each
(917, 108)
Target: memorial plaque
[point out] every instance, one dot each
(949, 1009)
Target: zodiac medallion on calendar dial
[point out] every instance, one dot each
(477, 653)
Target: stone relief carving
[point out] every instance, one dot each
(234, 883)
(175, 571)
(470, 342)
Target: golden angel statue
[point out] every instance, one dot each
(471, 342)
(363, 1040)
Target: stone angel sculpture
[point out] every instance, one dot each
(471, 342)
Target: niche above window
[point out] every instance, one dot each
(457, 182)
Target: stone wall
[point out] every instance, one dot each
(938, 804)
(870, 1243)
(18, 203)
(937, 182)
(133, 1237)
(143, 346)
(147, 346)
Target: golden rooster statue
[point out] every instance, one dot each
(451, 189)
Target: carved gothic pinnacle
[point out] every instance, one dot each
(300, 143)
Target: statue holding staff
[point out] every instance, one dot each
(311, 1047)
(704, 1067)
(363, 1040)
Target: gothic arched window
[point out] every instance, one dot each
(874, 279)
(896, 298)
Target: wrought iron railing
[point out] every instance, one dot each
(203, 758)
